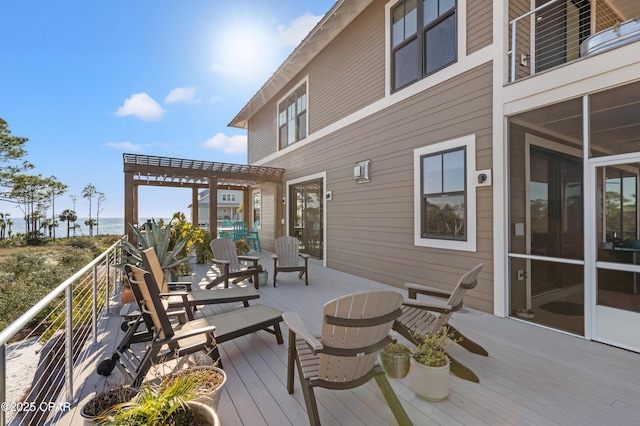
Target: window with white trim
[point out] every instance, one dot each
(292, 116)
(423, 39)
(444, 205)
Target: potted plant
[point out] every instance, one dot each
(209, 389)
(163, 405)
(105, 400)
(263, 275)
(395, 359)
(430, 366)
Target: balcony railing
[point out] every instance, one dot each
(65, 322)
(562, 31)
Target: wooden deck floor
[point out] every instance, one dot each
(533, 376)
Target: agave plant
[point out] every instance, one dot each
(157, 236)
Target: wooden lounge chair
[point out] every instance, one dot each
(231, 265)
(192, 299)
(354, 329)
(421, 319)
(287, 258)
(173, 341)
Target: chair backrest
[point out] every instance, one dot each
(225, 249)
(256, 224)
(239, 230)
(287, 249)
(354, 329)
(151, 263)
(148, 297)
(226, 223)
(466, 282)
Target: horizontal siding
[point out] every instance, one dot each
(518, 8)
(479, 24)
(349, 74)
(370, 226)
(262, 139)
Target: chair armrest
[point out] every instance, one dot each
(426, 290)
(249, 258)
(220, 262)
(249, 233)
(274, 256)
(304, 255)
(443, 309)
(295, 324)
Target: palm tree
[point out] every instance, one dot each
(90, 223)
(68, 216)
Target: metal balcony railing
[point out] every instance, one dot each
(561, 31)
(64, 325)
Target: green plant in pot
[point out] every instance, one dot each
(158, 405)
(103, 401)
(430, 366)
(395, 359)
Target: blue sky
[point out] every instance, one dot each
(87, 81)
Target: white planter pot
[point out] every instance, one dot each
(263, 278)
(430, 383)
(209, 414)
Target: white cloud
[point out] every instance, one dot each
(228, 144)
(297, 29)
(125, 146)
(142, 106)
(216, 68)
(181, 94)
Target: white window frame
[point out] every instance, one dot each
(469, 143)
(305, 82)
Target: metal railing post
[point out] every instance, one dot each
(94, 306)
(69, 342)
(108, 290)
(3, 381)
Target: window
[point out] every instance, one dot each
(292, 117)
(444, 179)
(423, 39)
(257, 205)
(620, 205)
(228, 197)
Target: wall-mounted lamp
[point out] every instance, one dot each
(483, 177)
(361, 171)
(284, 200)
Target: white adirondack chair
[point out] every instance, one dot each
(287, 258)
(231, 265)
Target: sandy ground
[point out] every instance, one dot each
(22, 361)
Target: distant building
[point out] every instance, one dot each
(228, 203)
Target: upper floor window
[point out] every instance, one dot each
(292, 117)
(228, 197)
(423, 39)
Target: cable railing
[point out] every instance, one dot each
(56, 335)
(562, 31)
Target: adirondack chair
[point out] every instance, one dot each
(253, 237)
(354, 329)
(171, 341)
(287, 258)
(231, 265)
(225, 224)
(421, 319)
(239, 231)
(193, 299)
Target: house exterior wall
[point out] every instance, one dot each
(370, 226)
(479, 25)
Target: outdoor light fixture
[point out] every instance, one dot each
(361, 171)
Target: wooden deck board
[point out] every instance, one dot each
(532, 376)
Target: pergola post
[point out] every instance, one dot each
(195, 207)
(213, 207)
(129, 204)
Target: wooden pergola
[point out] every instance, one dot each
(148, 170)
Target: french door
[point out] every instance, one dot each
(614, 275)
(306, 213)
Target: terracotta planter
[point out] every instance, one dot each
(127, 296)
(430, 383)
(396, 366)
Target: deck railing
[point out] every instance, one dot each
(64, 323)
(552, 34)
